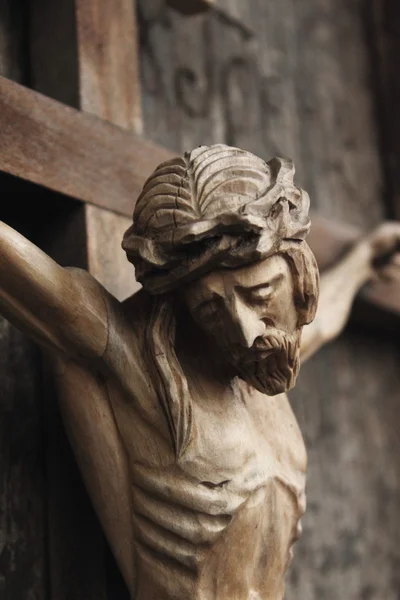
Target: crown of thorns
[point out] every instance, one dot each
(215, 207)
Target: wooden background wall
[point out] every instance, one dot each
(312, 80)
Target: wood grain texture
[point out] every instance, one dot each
(107, 261)
(109, 88)
(308, 72)
(72, 152)
(108, 62)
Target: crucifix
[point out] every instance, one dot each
(20, 159)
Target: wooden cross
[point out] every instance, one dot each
(94, 155)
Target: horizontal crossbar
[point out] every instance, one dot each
(72, 152)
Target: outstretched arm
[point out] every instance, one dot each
(62, 309)
(339, 285)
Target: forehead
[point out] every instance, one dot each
(254, 275)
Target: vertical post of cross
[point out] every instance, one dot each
(98, 73)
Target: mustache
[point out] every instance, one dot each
(272, 342)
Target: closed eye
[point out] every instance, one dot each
(208, 306)
(266, 288)
(258, 294)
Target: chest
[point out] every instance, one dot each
(244, 439)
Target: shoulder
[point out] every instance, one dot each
(83, 285)
(102, 323)
(105, 328)
(83, 327)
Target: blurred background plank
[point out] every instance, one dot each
(108, 66)
(23, 568)
(384, 31)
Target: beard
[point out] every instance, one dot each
(271, 365)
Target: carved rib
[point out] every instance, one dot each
(168, 544)
(194, 527)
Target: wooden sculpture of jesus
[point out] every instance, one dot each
(174, 400)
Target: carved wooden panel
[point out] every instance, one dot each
(206, 79)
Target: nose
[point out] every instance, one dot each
(247, 324)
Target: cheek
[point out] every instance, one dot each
(284, 312)
(292, 316)
(215, 324)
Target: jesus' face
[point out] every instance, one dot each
(251, 314)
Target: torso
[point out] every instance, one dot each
(220, 521)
